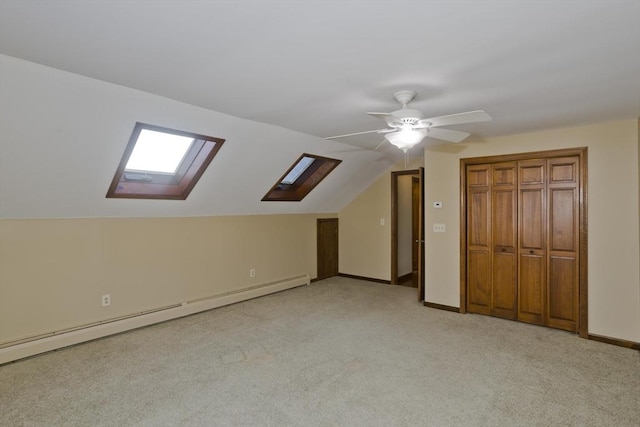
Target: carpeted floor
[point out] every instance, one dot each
(340, 352)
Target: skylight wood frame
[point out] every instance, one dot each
(175, 186)
(307, 181)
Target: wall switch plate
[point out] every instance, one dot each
(381, 221)
(437, 205)
(106, 300)
(439, 228)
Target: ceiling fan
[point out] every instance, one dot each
(407, 127)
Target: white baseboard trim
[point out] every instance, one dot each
(105, 328)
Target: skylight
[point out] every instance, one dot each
(297, 170)
(162, 163)
(158, 152)
(302, 177)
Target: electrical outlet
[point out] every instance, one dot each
(252, 272)
(106, 300)
(439, 228)
(381, 221)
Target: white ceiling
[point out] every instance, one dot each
(318, 66)
(273, 77)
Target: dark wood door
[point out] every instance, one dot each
(327, 247)
(420, 242)
(479, 239)
(532, 248)
(492, 236)
(562, 246)
(503, 239)
(523, 227)
(415, 232)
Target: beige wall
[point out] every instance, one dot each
(365, 245)
(54, 271)
(614, 275)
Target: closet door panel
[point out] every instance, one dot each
(562, 227)
(562, 294)
(504, 230)
(563, 244)
(563, 170)
(531, 289)
(532, 219)
(504, 218)
(478, 176)
(504, 285)
(479, 218)
(531, 172)
(532, 281)
(479, 295)
(479, 239)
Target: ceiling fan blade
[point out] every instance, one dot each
(380, 145)
(447, 134)
(456, 119)
(387, 117)
(387, 130)
(357, 133)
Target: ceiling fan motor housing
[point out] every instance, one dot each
(408, 116)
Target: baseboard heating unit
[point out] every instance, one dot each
(59, 339)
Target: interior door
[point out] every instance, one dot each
(419, 241)
(327, 237)
(419, 198)
(415, 231)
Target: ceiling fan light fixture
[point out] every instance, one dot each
(406, 127)
(407, 138)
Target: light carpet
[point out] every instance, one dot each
(340, 352)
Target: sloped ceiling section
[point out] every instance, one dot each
(63, 135)
(257, 72)
(317, 66)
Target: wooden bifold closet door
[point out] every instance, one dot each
(522, 222)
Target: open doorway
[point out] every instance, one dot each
(407, 229)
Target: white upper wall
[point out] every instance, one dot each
(62, 137)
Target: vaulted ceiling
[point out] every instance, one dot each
(280, 75)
